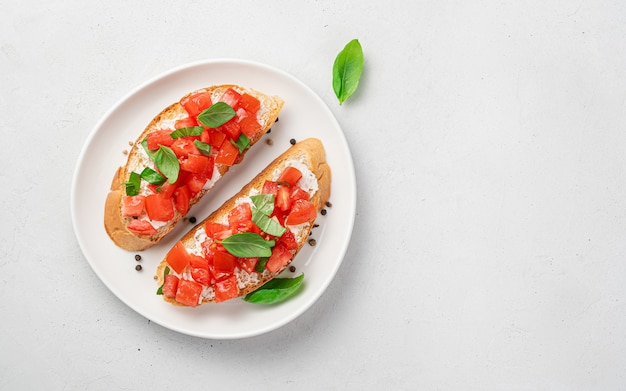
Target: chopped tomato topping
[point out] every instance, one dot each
(185, 123)
(223, 263)
(217, 138)
(181, 199)
(196, 164)
(290, 175)
(170, 285)
(270, 187)
(288, 240)
(249, 126)
(133, 205)
(196, 103)
(302, 211)
(231, 129)
(298, 193)
(226, 289)
(196, 182)
(201, 275)
(158, 138)
(141, 227)
(178, 257)
(240, 213)
(249, 103)
(184, 146)
(282, 200)
(188, 293)
(227, 154)
(159, 207)
(231, 97)
(167, 189)
(247, 264)
(280, 257)
(212, 228)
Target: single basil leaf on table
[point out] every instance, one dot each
(186, 132)
(133, 185)
(152, 177)
(275, 291)
(216, 115)
(204, 148)
(347, 70)
(248, 245)
(166, 161)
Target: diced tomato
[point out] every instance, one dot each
(205, 137)
(133, 205)
(223, 263)
(280, 257)
(207, 250)
(231, 97)
(201, 275)
(279, 215)
(226, 289)
(288, 240)
(188, 293)
(184, 146)
(196, 182)
(227, 154)
(270, 187)
(196, 103)
(231, 129)
(290, 175)
(302, 211)
(159, 137)
(212, 228)
(185, 123)
(196, 164)
(208, 172)
(241, 113)
(217, 138)
(282, 200)
(167, 189)
(159, 207)
(196, 261)
(241, 212)
(178, 257)
(141, 227)
(247, 264)
(249, 126)
(249, 103)
(298, 193)
(170, 285)
(181, 200)
(245, 226)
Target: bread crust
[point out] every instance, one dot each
(310, 152)
(115, 224)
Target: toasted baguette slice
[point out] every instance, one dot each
(309, 157)
(116, 224)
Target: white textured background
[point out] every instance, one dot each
(489, 247)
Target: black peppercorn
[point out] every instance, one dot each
(323, 212)
(137, 257)
(312, 242)
(292, 141)
(138, 268)
(292, 269)
(192, 220)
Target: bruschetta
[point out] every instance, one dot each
(180, 156)
(253, 236)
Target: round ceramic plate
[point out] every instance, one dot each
(304, 115)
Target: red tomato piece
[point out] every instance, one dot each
(159, 207)
(159, 137)
(195, 164)
(226, 289)
(270, 187)
(280, 257)
(205, 137)
(231, 97)
(245, 226)
(181, 199)
(250, 126)
(240, 213)
(290, 175)
(133, 205)
(178, 257)
(302, 211)
(212, 228)
(227, 154)
(282, 200)
(196, 261)
(185, 123)
(223, 263)
(288, 240)
(167, 189)
(141, 227)
(217, 138)
(249, 103)
(298, 193)
(170, 285)
(247, 264)
(188, 293)
(195, 183)
(184, 146)
(196, 103)
(231, 129)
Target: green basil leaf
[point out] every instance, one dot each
(166, 161)
(260, 264)
(188, 131)
(243, 143)
(267, 224)
(133, 185)
(216, 115)
(347, 70)
(204, 148)
(275, 291)
(264, 203)
(152, 177)
(248, 245)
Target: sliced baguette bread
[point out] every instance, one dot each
(193, 272)
(136, 230)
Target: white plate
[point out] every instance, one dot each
(304, 115)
